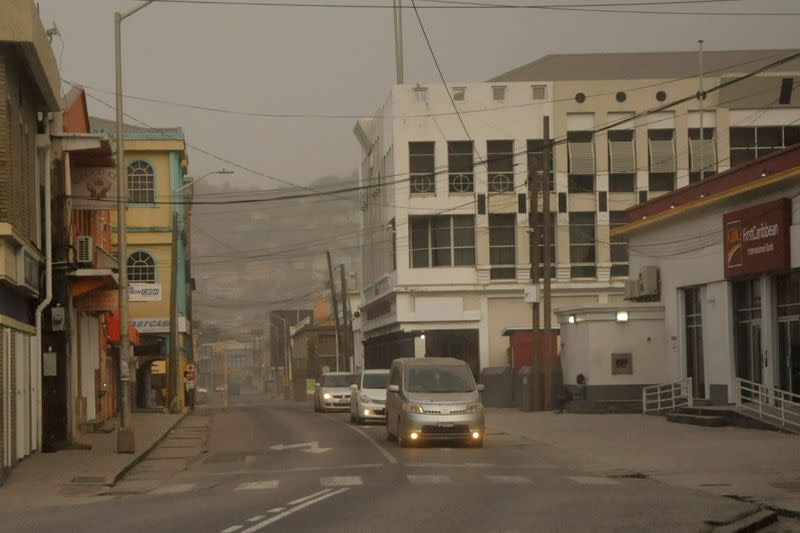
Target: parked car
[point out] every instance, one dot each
(332, 392)
(368, 399)
(433, 398)
(219, 388)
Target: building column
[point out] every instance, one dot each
(769, 330)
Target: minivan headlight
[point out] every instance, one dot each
(327, 396)
(474, 407)
(413, 408)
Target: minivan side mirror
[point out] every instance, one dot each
(481, 387)
(316, 385)
(354, 387)
(394, 388)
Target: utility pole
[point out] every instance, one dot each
(225, 378)
(533, 239)
(335, 310)
(174, 374)
(546, 260)
(397, 12)
(348, 326)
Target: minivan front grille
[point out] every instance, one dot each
(456, 430)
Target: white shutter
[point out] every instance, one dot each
(705, 148)
(581, 157)
(662, 156)
(623, 157)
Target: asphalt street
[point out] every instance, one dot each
(278, 466)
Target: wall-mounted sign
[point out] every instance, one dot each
(144, 292)
(98, 301)
(94, 187)
(159, 324)
(757, 239)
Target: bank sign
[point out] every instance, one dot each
(144, 292)
(757, 239)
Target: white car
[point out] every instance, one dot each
(332, 393)
(368, 400)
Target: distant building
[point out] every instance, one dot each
(445, 243)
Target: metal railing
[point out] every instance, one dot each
(669, 396)
(105, 259)
(774, 406)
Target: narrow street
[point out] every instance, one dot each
(273, 465)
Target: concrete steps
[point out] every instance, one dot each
(698, 419)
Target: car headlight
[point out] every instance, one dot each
(413, 408)
(327, 396)
(474, 407)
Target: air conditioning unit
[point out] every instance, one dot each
(84, 248)
(632, 291)
(648, 281)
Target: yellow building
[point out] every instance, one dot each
(156, 163)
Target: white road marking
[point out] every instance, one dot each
(423, 479)
(174, 489)
(509, 480)
(255, 518)
(233, 473)
(389, 457)
(293, 510)
(341, 481)
(587, 480)
(258, 485)
(312, 447)
(277, 510)
(309, 497)
(231, 529)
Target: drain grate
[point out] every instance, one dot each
(89, 479)
(628, 475)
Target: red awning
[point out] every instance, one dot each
(113, 330)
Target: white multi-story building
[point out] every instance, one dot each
(445, 244)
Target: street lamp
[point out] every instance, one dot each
(188, 181)
(126, 442)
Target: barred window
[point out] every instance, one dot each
(421, 164)
(500, 165)
(141, 183)
(141, 268)
(460, 166)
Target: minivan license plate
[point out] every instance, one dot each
(445, 424)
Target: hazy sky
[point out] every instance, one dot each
(315, 60)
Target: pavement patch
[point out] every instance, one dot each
(427, 479)
(258, 485)
(341, 481)
(590, 480)
(509, 480)
(174, 489)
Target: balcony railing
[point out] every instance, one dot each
(104, 259)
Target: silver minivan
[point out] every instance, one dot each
(433, 398)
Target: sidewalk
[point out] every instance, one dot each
(64, 477)
(762, 466)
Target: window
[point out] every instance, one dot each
(552, 232)
(536, 161)
(500, 165)
(460, 166)
(539, 92)
(582, 245)
(580, 149)
(619, 245)
(442, 241)
(622, 161)
(662, 160)
(421, 94)
(499, 93)
(141, 183)
(459, 94)
(749, 143)
(502, 246)
(621, 363)
(702, 153)
(141, 268)
(421, 164)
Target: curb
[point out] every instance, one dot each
(750, 523)
(136, 460)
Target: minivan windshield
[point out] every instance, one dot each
(375, 381)
(450, 378)
(336, 380)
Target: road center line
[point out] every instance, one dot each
(231, 529)
(293, 510)
(310, 496)
(389, 457)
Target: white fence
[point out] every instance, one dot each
(774, 406)
(657, 398)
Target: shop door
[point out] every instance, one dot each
(23, 403)
(695, 363)
(789, 367)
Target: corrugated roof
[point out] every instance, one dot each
(110, 127)
(644, 65)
